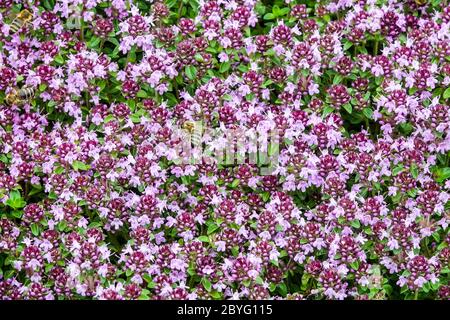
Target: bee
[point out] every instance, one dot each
(195, 131)
(91, 282)
(189, 126)
(20, 20)
(19, 97)
(421, 2)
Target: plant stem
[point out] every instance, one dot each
(102, 43)
(427, 250)
(368, 126)
(129, 56)
(86, 99)
(82, 27)
(180, 8)
(25, 191)
(375, 48)
(191, 282)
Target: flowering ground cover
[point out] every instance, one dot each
(224, 149)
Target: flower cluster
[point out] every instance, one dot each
(98, 202)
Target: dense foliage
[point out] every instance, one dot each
(95, 205)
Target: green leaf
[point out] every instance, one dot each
(406, 128)
(259, 280)
(8, 274)
(58, 59)
(59, 170)
(114, 41)
(216, 295)
(206, 284)
(356, 118)
(114, 53)
(348, 107)
(42, 87)
(441, 246)
(143, 296)
(436, 236)
(347, 45)
(35, 230)
(435, 286)
(282, 288)
(132, 54)
(388, 289)
(78, 165)
(171, 3)
(368, 113)
(397, 170)
(235, 251)
(363, 50)
(235, 183)
(224, 67)
(412, 193)
(276, 10)
(36, 189)
(355, 224)
(436, 3)
(327, 110)
(446, 94)
(442, 174)
(265, 196)
(337, 79)
(17, 214)
(109, 118)
(211, 228)
(283, 12)
(185, 180)
(378, 80)
(142, 94)
(191, 271)
(4, 158)
(135, 118)
(414, 171)
(272, 287)
(260, 8)
(62, 225)
(199, 58)
(132, 105)
(49, 6)
(354, 265)
(269, 16)
(15, 200)
(191, 72)
(147, 278)
(94, 42)
(203, 238)
(243, 68)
